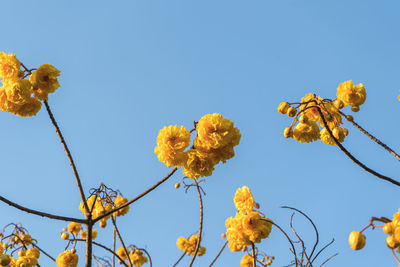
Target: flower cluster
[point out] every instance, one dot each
(68, 258)
(189, 245)
(102, 205)
(18, 240)
(214, 142)
(135, 255)
(22, 90)
(393, 230)
(307, 118)
(247, 261)
(249, 225)
(75, 229)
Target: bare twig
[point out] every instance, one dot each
(219, 253)
(137, 197)
(180, 258)
(322, 249)
(328, 259)
(121, 240)
(71, 161)
(200, 225)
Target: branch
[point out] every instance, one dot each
(138, 197)
(351, 156)
(40, 213)
(71, 161)
(219, 253)
(121, 240)
(201, 223)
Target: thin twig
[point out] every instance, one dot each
(334, 255)
(373, 138)
(113, 258)
(44, 252)
(348, 154)
(312, 223)
(40, 213)
(200, 225)
(219, 253)
(180, 258)
(322, 249)
(98, 262)
(148, 255)
(253, 254)
(304, 253)
(138, 197)
(71, 161)
(121, 240)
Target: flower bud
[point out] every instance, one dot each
(223, 236)
(283, 107)
(177, 185)
(388, 228)
(288, 132)
(291, 112)
(355, 108)
(64, 236)
(256, 205)
(338, 104)
(349, 118)
(391, 242)
(5, 260)
(356, 240)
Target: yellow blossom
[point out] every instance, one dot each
(243, 199)
(198, 164)
(189, 246)
(122, 253)
(338, 132)
(118, 201)
(74, 228)
(44, 81)
(84, 234)
(306, 132)
(33, 252)
(246, 261)
(350, 94)
(67, 259)
(9, 66)
(137, 258)
(171, 143)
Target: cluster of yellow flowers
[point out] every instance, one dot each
(393, 230)
(247, 261)
(22, 96)
(304, 127)
(75, 228)
(214, 142)
(18, 240)
(68, 258)
(248, 226)
(135, 256)
(189, 245)
(102, 206)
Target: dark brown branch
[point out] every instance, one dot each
(219, 253)
(373, 138)
(44, 252)
(89, 242)
(253, 254)
(200, 225)
(181, 257)
(348, 154)
(71, 161)
(148, 255)
(40, 213)
(304, 253)
(322, 249)
(120, 239)
(138, 197)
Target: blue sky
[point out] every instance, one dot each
(128, 68)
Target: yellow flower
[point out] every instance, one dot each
(74, 228)
(350, 94)
(243, 199)
(84, 234)
(26, 239)
(214, 132)
(137, 258)
(9, 66)
(338, 132)
(122, 254)
(18, 91)
(64, 236)
(67, 259)
(198, 164)
(306, 132)
(171, 143)
(356, 240)
(118, 201)
(44, 81)
(33, 252)
(246, 261)
(189, 246)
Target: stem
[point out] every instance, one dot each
(253, 254)
(373, 138)
(39, 213)
(351, 156)
(44, 252)
(138, 197)
(148, 255)
(71, 161)
(176, 263)
(121, 240)
(89, 242)
(113, 258)
(201, 223)
(219, 253)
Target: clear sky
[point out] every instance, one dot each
(128, 68)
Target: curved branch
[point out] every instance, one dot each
(138, 197)
(40, 213)
(373, 138)
(201, 223)
(71, 161)
(348, 154)
(322, 249)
